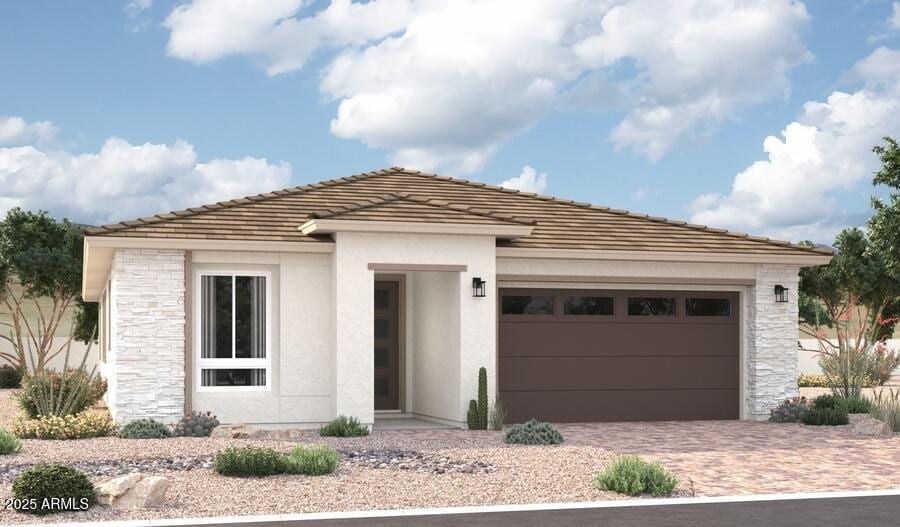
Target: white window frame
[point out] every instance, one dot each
(220, 364)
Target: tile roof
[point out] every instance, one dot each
(398, 194)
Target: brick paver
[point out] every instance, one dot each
(744, 457)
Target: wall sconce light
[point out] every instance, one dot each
(781, 293)
(478, 287)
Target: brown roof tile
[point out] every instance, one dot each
(397, 194)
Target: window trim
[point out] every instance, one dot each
(233, 363)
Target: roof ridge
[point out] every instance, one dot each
(390, 197)
(619, 212)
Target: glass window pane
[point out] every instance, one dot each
(527, 305)
(654, 307)
(381, 299)
(215, 317)
(708, 307)
(250, 317)
(381, 357)
(589, 305)
(381, 328)
(381, 387)
(234, 377)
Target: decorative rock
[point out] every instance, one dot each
(235, 431)
(415, 461)
(869, 426)
(134, 491)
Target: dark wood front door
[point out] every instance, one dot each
(387, 345)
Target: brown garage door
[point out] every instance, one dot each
(576, 355)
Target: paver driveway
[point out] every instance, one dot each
(744, 457)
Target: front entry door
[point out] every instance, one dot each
(387, 345)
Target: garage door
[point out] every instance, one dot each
(576, 355)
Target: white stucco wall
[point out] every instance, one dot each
(148, 334)
(353, 283)
(434, 347)
(299, 391)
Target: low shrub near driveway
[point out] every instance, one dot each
(789, 411)
(343, 426)
(249, 461)
(886, 408)
(9, 444)
(857, 405)
(79, 426)
(827, 410)
(145, 429)
(534, 432)
(48, 489)
(315, 460)
(634, 476)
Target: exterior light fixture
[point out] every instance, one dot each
(781, 293)
(478, 287)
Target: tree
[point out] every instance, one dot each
(40, 263)
(884, 225)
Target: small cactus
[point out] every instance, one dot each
(482, 399)
(534, 433)
(790, 411)
(472, 415)
(196, 424)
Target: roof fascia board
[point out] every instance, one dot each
(664, 256)
(133, 242)
(327, 226)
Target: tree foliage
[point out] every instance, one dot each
(40, 267)
(884, 225)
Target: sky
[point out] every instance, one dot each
(753, 115)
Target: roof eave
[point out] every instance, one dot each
(329, 226)
(787, 257)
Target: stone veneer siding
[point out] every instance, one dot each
(771, 354)
(148, 341)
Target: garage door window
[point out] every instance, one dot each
(589, 305)
(708, 307)
(527, 305)
(651, 307)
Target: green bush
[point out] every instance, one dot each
(887, 409)
(312, 460)
(827, 401)
(249, 461)
(633, 476)
(857, 405)
(534, 433)
(789, 411)
(826, 417)
(343, 426)
(79, 426)
(48, 489)
(9, 443)
(196, 424)
(53, 393)
(10, 377)
(145, 429)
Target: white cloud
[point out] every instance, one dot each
(124, 181)
(444, 84)
(895, 16)
(15, 130)
(827, 150)
(530, 180)
(135, 11)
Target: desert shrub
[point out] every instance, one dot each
(47, 489)
(312, 460)
(498, 415)
(145, 429)
(887, 409)
(9, 443)
(534, 432)
(633, 476)
(812, 380)
(848, 369)
(53, 393)
(827, 401)
(79, 426)
(789, 411)
(826, 417)
(343, 426)
(857, 405)
(10, 377)
(196, 424)
(249, 461)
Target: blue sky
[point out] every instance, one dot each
(111, 110)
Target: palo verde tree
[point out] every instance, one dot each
(852, 304)
(40, 285)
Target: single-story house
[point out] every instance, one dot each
(387, 291)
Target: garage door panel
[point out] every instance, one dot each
(613, 339)
(611, 373)
(621, 405)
